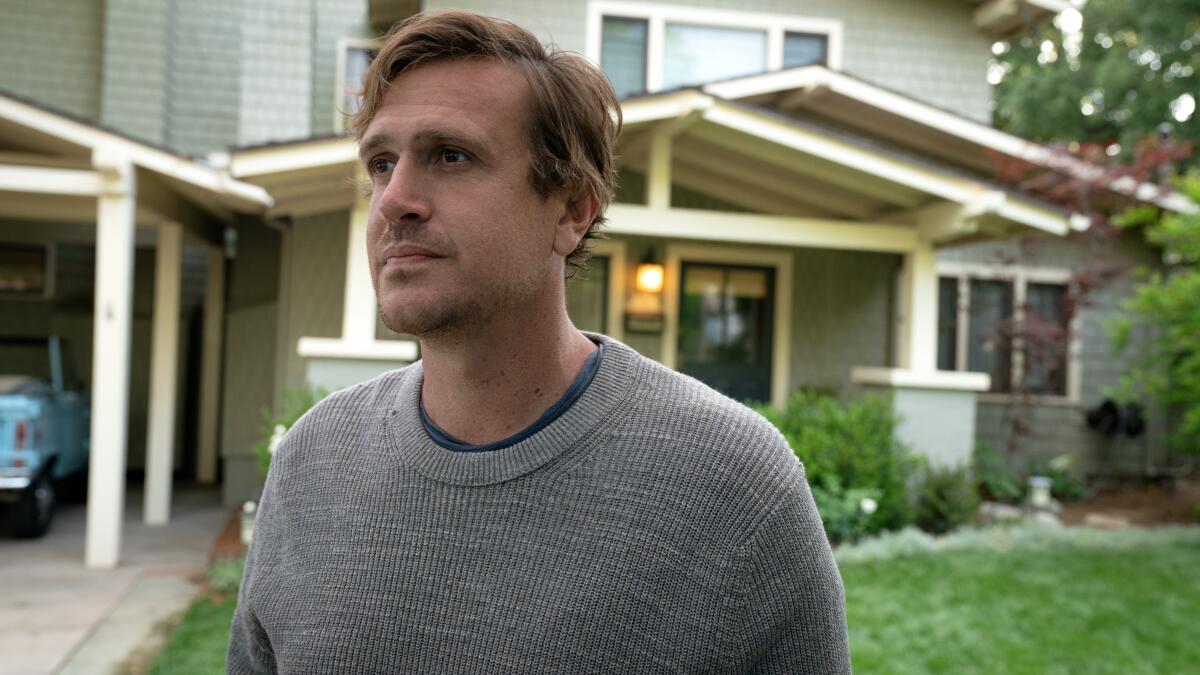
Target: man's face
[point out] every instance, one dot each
(456, 232)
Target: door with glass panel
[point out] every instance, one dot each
(726, 321)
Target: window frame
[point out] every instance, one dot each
(733, 254)
(1020, 277)
(657, 16)
(49, 272)
(344, 44)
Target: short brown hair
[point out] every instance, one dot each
(575, 114)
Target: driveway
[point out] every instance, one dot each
(57, 616)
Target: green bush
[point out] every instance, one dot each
(296, 402)
(850, 453)
(994, 479)
(946, 500)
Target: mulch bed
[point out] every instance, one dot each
(229, 543)
(1144, 506)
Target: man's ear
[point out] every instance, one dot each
(577, 217)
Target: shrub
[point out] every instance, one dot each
(994, 478)
(296, 402)
(849, 452)
(946, 500)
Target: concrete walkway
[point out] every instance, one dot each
(56, 616)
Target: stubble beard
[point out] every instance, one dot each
(451, 317)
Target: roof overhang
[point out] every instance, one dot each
(728, 149)
(52, 154)
(1002, 19)
(304, 177)
(931, 131)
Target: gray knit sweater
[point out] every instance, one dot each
(656, 526)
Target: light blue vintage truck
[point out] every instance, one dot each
(44, 430)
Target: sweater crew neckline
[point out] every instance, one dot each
(609, 385)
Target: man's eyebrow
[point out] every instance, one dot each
(433, 136)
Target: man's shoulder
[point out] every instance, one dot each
(707, 437)
(347, 410)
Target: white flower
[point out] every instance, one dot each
(276, 438)
(868, 505)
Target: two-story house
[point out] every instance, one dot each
(808, 199)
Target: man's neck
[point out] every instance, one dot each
(493, 383)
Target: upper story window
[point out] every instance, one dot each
(1011, 324)
(354, 55)
(655, 47)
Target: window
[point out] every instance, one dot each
(354, 55)
(24, 271)
(725, 331)
(623, 54)
(650, 47)
(1011, 324)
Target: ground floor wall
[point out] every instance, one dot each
(1030, 429)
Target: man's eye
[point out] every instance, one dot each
(378, 166)
(452, 156)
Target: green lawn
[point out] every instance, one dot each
(1056, 607)
(197, 644)
(1023, 600)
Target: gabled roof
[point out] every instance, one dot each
(818, 92)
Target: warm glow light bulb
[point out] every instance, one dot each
(650, 278)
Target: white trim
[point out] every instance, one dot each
(921, 379)
(975, 133)
(753, 228)
(617, 253)
(293, 157)
(781, 338)
(344, 43)
(363, 350)
(657, 16)
(236, 193)
(1020, 276)
(52, 181)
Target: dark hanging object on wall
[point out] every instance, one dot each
(1111, 418)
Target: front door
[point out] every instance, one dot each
(726, 322)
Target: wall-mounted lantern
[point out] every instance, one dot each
(644, 308)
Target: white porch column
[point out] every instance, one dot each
(164, 359)
(210, 367)
(359, 307)
(918, 309)
(110, 358)
(658, 172)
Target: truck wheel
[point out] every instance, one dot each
(32, 515)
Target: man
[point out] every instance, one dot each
(526, 498)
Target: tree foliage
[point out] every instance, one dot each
(1126, 76)
(1168, 303)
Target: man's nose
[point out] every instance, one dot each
(405, 197)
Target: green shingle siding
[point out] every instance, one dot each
(133, 99)
(52, 55)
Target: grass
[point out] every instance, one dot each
(1005, 600)
(1072, 602)
(197, 644)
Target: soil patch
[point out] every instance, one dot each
(1144, 506)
